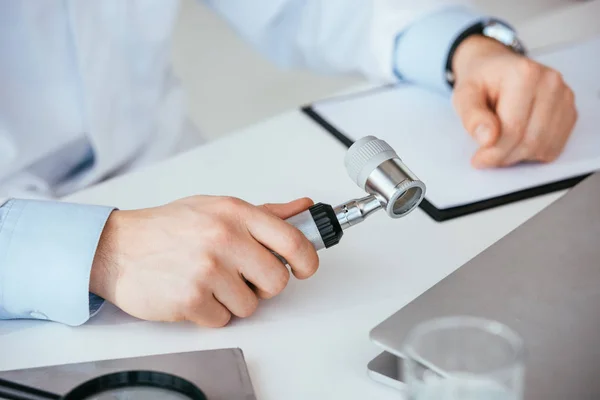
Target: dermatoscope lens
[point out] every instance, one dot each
(407, 201)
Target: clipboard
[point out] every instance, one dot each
(441, 215)
(349, 117)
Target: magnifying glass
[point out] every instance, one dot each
(127, 385)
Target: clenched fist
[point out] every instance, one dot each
(516, 109)
(201, 259)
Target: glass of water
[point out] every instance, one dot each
(464, 358)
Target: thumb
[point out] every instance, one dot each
(286, 210)
(471, 104)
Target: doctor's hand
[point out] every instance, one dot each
(200, 259)
(516, 109)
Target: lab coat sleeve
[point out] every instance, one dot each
(46, 254)
(385, 40)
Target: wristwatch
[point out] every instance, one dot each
(491, 28)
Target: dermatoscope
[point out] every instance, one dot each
(376, 168)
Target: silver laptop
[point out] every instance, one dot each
(543, 280)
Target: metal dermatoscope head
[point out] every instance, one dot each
(377, 169)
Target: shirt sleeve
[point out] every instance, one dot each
(422, 50)
(339, 36)
(46, 253)
(384, 40)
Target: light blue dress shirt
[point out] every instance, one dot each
(422, 50)
(47, 248)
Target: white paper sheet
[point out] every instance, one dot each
(425, 131)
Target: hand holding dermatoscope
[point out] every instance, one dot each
(373, 165)
(377, 169)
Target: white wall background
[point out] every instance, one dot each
(224, 95)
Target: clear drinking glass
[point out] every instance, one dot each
(464, 358)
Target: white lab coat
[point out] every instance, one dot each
(132, 105)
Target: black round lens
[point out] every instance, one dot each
(138, 393)
(134, 385)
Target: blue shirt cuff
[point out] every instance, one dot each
(46, 253)
(421, 51)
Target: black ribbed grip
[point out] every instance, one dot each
(327, 223)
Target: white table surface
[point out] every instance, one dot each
(312, 340)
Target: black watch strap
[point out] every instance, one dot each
(490, 28)
(476, 29)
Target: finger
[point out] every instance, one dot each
(262, 269)
(541, 128)
(471, 104)
(290, 209)
(515, 104)
(564, 119)
(234, 293)
(284, 239)
(554, 147)
(209, 313)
